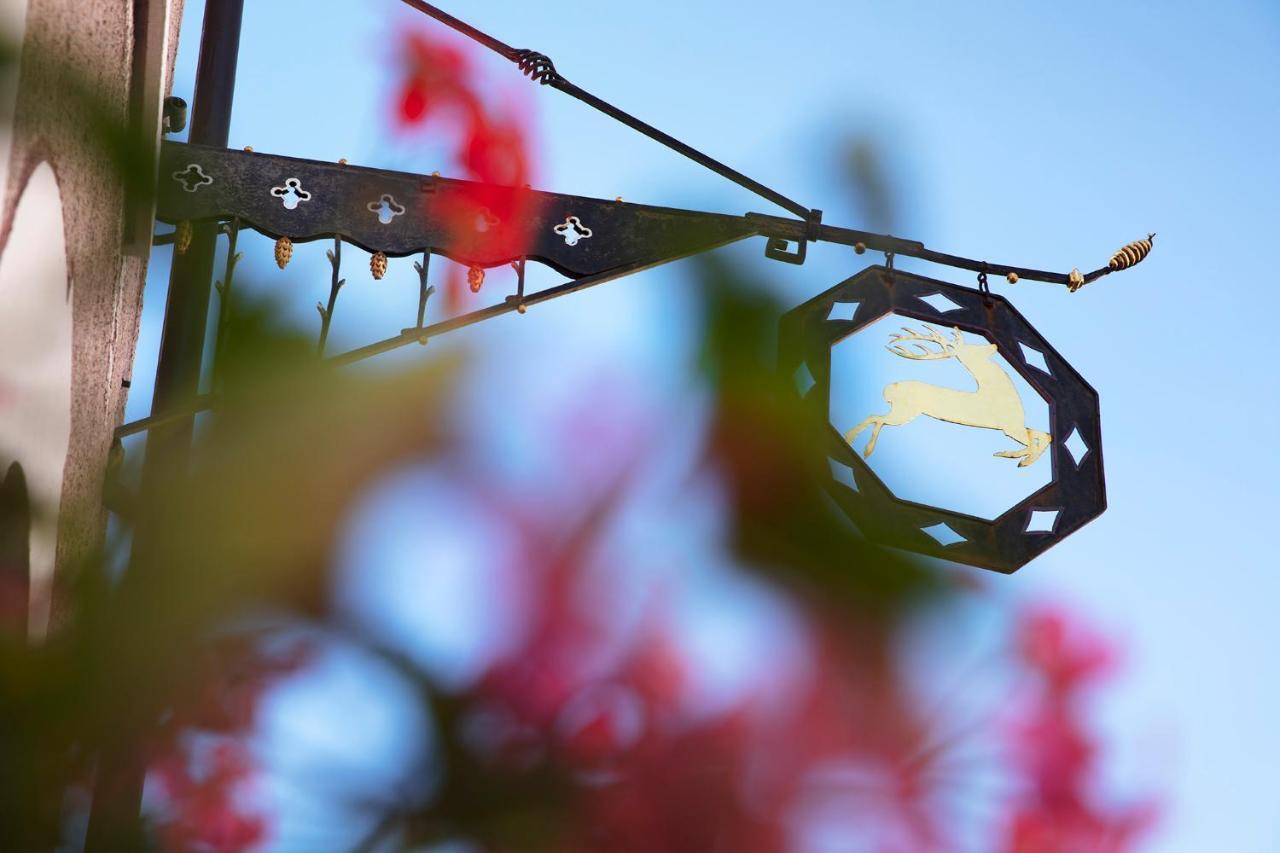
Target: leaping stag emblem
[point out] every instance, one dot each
(994, 405)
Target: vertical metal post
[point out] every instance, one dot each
(190, 277)
(120, 775)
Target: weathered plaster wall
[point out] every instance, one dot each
(35, 367)
(69, 45)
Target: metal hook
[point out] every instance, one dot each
(983, 287)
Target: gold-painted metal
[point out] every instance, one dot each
(284, 251)
(1012, 278)
(475, 278)
(994, 405)
(1075, 280)
(182, 237)
(378, 265)
(1132, 254)
(859, 248)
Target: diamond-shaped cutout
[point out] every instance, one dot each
(1034, 357)
(842, 474)
(943, 534)
(1076, 447)
(804, 379)
(843, 311)
(1042, 520)
(939, 303)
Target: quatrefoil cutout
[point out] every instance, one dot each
(291, 193)
(572, 230)
(386, 207)
(192, 177)
(485, 220)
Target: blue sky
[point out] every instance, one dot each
(1038, 134)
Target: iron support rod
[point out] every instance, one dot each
(542, 70)
(417, 334)
(409, 336)
(506, 51)
(795, 230)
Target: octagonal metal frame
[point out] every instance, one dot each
(1076, 491)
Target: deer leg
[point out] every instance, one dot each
(1023, 437)
(898, 416)
(878, 422)
(871, 442)
(853, 433)
(1037, 441)
(1034, 443)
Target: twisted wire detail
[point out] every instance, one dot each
(537, 67)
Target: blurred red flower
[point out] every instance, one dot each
(488, 218)
(203, 788)
(1053, 750)
(204, 814)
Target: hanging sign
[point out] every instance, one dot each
(949, 329)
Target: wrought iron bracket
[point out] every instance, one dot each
(400, 213)
(310, 200)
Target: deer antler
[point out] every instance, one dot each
(946, 349)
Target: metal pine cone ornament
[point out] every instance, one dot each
(1075, 280)
(182, 237)
(284, 251)
(378, 265)
(475, 278)
(1132, 253)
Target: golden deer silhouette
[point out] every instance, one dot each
(994, 405)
